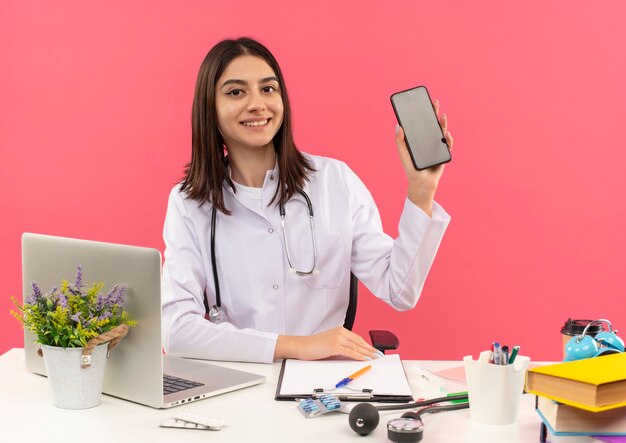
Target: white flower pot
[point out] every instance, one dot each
(74, 387)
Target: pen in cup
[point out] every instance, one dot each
(496, 353)
(513, 354)
(505, 355)
(350, 378)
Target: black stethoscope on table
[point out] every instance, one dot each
(216, 313)
(409, 428)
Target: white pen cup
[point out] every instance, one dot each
(494, 391)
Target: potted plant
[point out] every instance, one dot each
(77, 327)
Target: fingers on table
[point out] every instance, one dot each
(359, 349)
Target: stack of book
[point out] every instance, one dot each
(583, 397)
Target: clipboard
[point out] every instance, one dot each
(385, 382)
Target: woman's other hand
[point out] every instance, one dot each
(333, 342)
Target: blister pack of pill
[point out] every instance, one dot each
(194, 421)
(313, 407)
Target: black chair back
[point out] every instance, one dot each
(351, 312)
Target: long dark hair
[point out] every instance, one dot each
(208, 167)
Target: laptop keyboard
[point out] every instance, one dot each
(173, 384)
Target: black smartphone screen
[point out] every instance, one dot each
(422, 132)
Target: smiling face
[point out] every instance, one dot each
(248, 103)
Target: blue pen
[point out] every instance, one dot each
(349, 378)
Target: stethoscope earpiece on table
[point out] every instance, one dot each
(585, 346)
(364, 418)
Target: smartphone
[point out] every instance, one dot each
(422, 132)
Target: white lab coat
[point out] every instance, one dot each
(262, 299)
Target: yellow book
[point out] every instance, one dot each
(595, 384)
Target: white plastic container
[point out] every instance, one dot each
(494, 391)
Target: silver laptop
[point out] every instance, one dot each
(137, 367)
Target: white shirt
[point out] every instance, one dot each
(261, 298)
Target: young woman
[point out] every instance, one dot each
(279, 292)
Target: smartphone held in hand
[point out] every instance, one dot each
(422, 131)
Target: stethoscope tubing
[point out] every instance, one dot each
(281, 208)
(282, 211)
(218, 298)
(424, 403)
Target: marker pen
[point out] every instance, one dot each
(496, 353)
(514, 354)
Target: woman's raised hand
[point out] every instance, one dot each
(422, 184)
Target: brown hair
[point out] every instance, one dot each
(208, 167)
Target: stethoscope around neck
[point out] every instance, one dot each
(216, 313)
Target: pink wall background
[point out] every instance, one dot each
(95, 102)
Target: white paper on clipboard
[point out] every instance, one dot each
(385, 378)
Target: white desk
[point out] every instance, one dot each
(251, 414)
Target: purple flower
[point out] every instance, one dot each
(118, 297)
(63, 300)
(100, 301)
(113, 298)
(79, 277)
(36, 291)
(76, 317)
(35, 296)
(50, 297)
(105, 316)
(111, 294)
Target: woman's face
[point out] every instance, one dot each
(249, 103)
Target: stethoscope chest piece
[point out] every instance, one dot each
(217, 315)
(406, 429)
